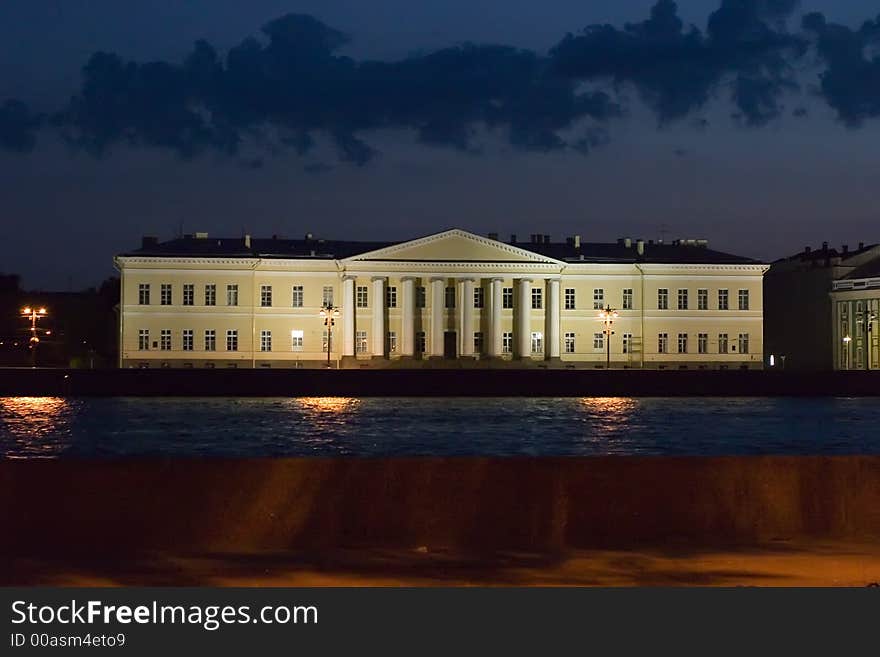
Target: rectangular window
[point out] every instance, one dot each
(450, 296)
(327, 296)
(743, 343)
(420, 340)
(478, 297)
(231, 340)
(569, 298)
(743, 299)
(189, 294)
(210, 340)
(722, 343)
(663, 299)
(265, 340)
(598, 341)
(723, 300)
(144, 294)
(507, 297)
(187, 340)
(165, 294)
(421, 297)
(537, 342)
(662, 343)
(391, 297)
(682, 343)
(703, 343)
(627, 343)
(296, 340)
(165, 339)
(297, 296)
(627, 298)
(391, 342)
(232, 294)
(144, 340)
(362, 296)
(265, 296)
(598, 298)
(682, 299)
(507, 342)
(360, 342)
(702, 299)
(210, 294)
(537, 298)
(478, 342)
(569, 343)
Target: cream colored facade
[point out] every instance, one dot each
(856, 323)
(453, 296)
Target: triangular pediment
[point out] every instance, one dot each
(454, 246)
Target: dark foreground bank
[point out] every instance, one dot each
(441, 382)
(415, 520)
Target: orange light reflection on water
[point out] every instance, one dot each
(30, 421)
(327, 404)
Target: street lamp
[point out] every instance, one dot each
(846, 341)
(870, 317)
(33, 314)
(608, 315)
(329, 313)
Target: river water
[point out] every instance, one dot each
(48, 427)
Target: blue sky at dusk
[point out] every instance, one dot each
(753, 123)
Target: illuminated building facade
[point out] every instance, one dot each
(449, 299)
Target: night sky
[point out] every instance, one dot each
(753, 123)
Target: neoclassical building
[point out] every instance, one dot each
(449, 299)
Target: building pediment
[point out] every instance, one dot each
(454, 246)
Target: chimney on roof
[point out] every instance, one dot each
(807, 249)
(149, 240)
(493, 236)
(824, 247)
(513, 238)
(861, 245)
(247, 241)
(845, 249)
(546, 239)
(640, 247)
(627, 242)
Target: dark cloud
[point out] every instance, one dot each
(290, 87)
(18, 126)
(676, 69)
(850, 82)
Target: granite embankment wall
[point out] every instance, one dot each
(111, 508)
(439, 382)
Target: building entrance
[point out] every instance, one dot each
(450, 342)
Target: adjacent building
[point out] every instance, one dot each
(818, 309)
(452, 298)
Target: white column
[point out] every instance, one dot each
(466, 316)
(438, 306)
(494, 343)
(552, 313)
(408, 322)
(378, 317)
(523, 333)
(348, 316)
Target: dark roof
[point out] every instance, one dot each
(870, 269)
(674, 252)
(808, 254)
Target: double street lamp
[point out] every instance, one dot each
(33, 314)
(608, 315)
(329, 312)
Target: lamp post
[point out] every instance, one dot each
(329, 313)
(33, 314)
(608, 315)
(846, 341)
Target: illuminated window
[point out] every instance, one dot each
(569, 343)
(296, 300)
(165, 339)
(598, 298)
(144, 294)
(682, 299)
(507, 342)
(537, 298)
(231, 340)
(627, 298)
(296, 340)
(189, 294)
(362, 296)
(327, 296)
(165, 294)
(743, 299)
(232, 295)
(265, 340)
(210, 340)
(360, 342)
(662, 343)
(598, 341)
(537, 342)
(143, 339)
(187, 339)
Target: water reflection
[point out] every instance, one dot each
(33, 425)
(608, 423)
(327, 404)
